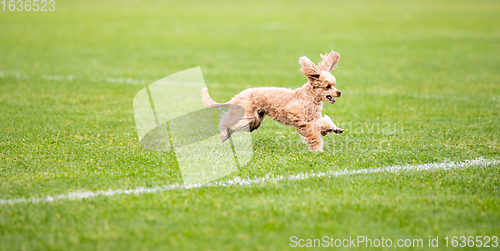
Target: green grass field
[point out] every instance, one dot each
(428, 69)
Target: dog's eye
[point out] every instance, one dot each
(328, 86)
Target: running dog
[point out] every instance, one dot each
(300, 108)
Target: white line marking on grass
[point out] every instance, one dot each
(72, 77)
(127, 81)
(58, 78)
(242, 182)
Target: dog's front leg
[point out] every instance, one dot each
(311, 136)
(325, 125)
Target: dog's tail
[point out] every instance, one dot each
(209, 102)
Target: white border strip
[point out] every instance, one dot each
(242, 182)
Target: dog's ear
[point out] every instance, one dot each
(308, 68)
(330, 61)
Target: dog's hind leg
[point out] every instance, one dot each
(235, 120)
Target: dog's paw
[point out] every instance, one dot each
(225, 135)
(338, 130)
(316, 148)
(335, 130)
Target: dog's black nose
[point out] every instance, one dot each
(339, 92)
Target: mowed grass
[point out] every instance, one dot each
(419, 80)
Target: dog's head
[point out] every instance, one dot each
(320, 78)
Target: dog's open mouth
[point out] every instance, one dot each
(330, 99)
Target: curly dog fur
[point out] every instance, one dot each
(300, 108)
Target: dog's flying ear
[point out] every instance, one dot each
(308, 68)
(330, 61)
